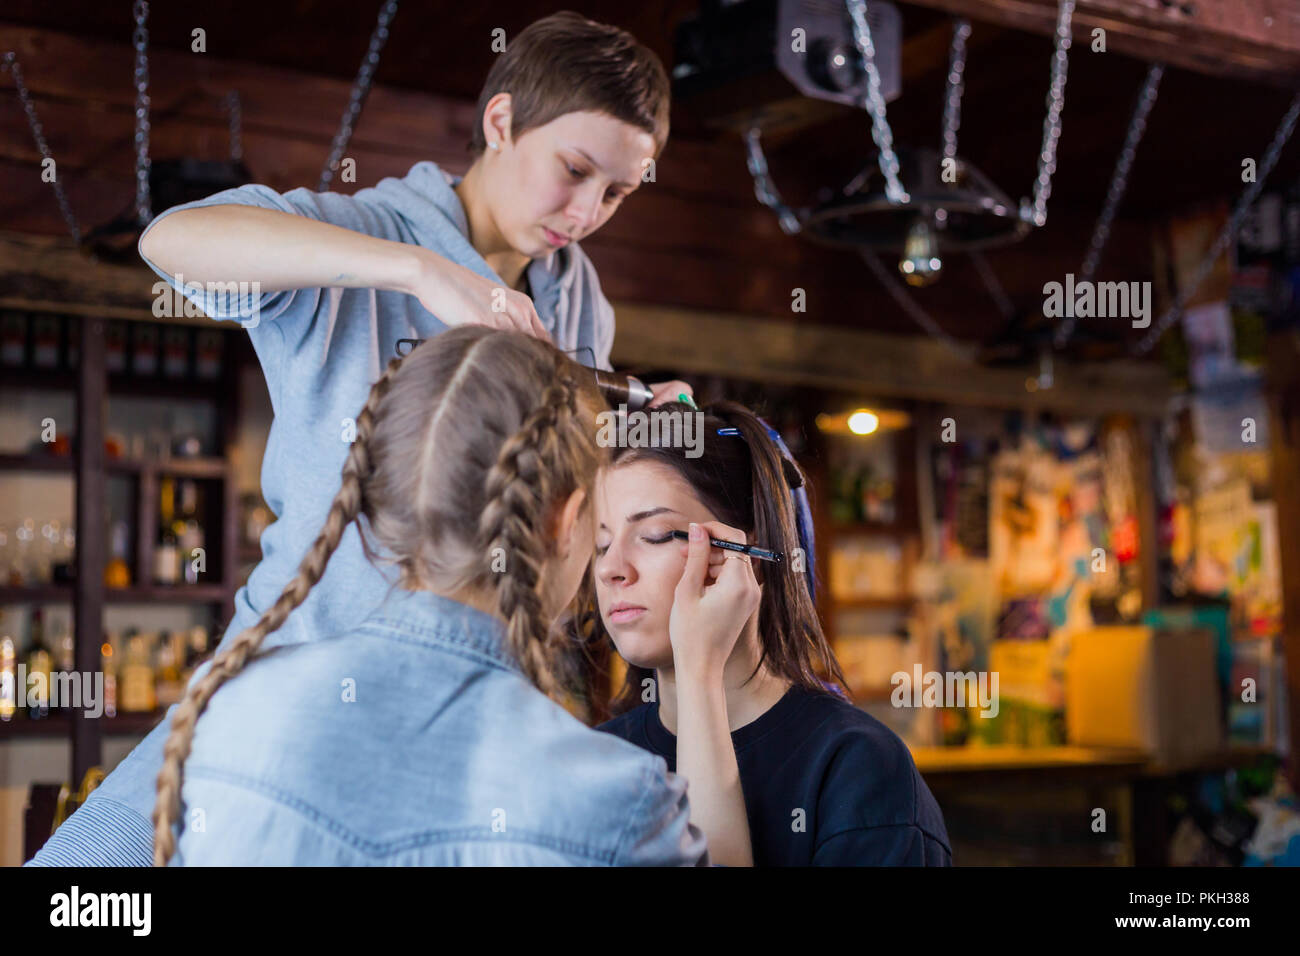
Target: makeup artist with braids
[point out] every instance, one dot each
(566, 119)
(824, 783)
(427, 734)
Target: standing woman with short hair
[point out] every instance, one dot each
(567, 119)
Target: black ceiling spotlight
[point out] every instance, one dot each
(738, 63)
(966, 214)
(740, 66)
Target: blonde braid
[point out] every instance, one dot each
(520, 487)
(344, 510)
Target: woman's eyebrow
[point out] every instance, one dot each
(585, 155)
(642, 515)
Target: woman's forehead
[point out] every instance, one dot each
(637, 486)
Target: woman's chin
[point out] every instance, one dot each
(643, 654)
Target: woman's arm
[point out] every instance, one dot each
(707, 759)
(278, 250)
(705, 622)
(282, 251)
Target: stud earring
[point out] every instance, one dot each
(494, 145)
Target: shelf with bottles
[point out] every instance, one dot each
(195, 467)
(141, 674)
(159, 546)
(148, 359)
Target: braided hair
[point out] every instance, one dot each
(463, 447)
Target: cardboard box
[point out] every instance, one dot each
(1154, 689)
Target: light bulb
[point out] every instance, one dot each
(920, 264)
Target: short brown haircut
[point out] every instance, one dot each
(565, 63)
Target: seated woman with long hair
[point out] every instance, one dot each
(824, 783)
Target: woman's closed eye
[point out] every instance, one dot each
(648, 539)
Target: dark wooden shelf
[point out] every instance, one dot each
(19, 462)
(143, 594)
(119, 383)
(217, 468)
(59, 725)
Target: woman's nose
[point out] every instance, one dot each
(584, 209)
(611, 567)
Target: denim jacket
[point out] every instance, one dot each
(414, 739)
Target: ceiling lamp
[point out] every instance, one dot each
(937, 217)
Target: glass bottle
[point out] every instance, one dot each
(166, 554)
(109, 666)
(137, 680)
(169, 684)
(8, 679)
(39, 662)
(117, 573)
(63, 646)
(189, 533)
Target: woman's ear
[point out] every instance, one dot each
(567, 521)
(497, 116)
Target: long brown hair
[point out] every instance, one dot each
(463, 447)
(746, 481)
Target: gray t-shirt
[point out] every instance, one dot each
(322, 349)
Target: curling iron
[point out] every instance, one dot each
(618, 388)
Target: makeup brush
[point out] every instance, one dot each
(754, 552)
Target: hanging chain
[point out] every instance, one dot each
(956, 82)
(875, 103)
(1228, 233)
(360, 90)
(990, 280)
(1118, 184)
(143, 207)
(764, 188)
(1037, 214)
(236, 121)
(10, 62)
(914, 311)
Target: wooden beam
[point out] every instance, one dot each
(873, 364)
(1248, 39)
(42, 273)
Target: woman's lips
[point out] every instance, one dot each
(626, 614)
(554, 238)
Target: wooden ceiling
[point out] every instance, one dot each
(701, 227)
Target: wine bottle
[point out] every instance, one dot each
(189, 533)
(168, 681)
(137, 687)
(39, 662)
(117, 573)
(8, 679)
(166, 555)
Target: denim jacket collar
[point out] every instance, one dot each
(433, 617)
